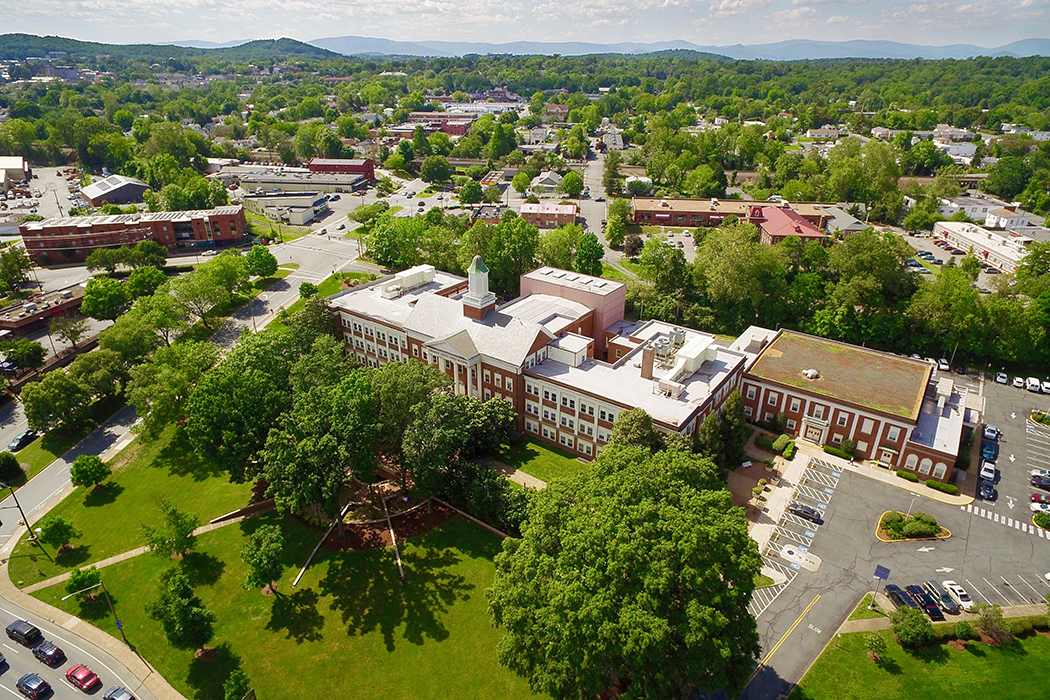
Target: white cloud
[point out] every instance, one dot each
(736, 8)
(797, 14)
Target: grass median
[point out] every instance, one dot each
(544, 462)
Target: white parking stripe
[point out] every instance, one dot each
(996, 590)
(10, 691)
(1037, 593)
(12, 649)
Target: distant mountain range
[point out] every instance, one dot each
(21, 46)
(793, 50)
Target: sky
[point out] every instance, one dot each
(988, 23)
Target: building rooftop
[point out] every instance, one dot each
(574, 280)
(869, 379)
(782, 221)
(725, 207)
(131, 218)
(547, 208)
(681, 383)
(339, 161)
(1011, 247)
(100, 188)
(940, 422)
(371, 301)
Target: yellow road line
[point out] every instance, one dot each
(781, 641)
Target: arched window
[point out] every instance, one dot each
(925, 465)
(939, 470)
(910, 463)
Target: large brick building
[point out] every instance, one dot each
(548, 215)
(567, 360)
(73, 238)
(355, 166)
(889, 406)
(712, 212)
(561, 353)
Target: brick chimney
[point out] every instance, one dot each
(648, 359)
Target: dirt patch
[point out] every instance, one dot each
(269, 590)
(958, 644)
(358, 536)
(206, 654)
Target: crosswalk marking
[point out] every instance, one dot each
(1017, 524)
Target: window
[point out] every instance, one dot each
(791, 424)
(750, 392)
(939, 470)
(893, 434)
(448, 364)
(499, 380)
(589, 429)
(510, 384)
(910, 463)
(773, 398)
(546, 414)
(836, 438)
(818, 412)
(530, 426)
(530, 389)
(587, 448)
(747, 411)
(546, 395)
(925, 465)
(867, 426)
(795, 405)
(426, 357)
(602, 415)
(843, 420)
(487, 376)
(862, 447)
(768, 416)
(415, 351)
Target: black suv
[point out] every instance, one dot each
(935, 589)
(899, 597)
(49, 653)
(24, 633)
(33, 686)
(926, 602)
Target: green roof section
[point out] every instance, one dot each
(873, 380)
(477, 266)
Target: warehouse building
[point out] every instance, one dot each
(115, 189)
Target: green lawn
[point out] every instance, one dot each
(219, 314)
(55, 443)
(348, 625)
(110, 517)
(611, 273)
(541, 461)
(863, 613)
(761, 581)
(262, 227)
(1019, 670)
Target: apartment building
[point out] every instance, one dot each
(547, 215)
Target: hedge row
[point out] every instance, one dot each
(764, 443)
(950, 489)
(910, 476)
(947, 631)
(837, 452)
(783, 445)
(790, 450)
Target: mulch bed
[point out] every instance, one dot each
(958, 644)
(360, 536)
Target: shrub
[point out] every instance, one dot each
(1040, 417)
(771, 463)
(790, 450)
(945, 632)
(781, 443)
(923, 518)
(964, 630)
(837, 452)
(848, 446)
(911, 627)
(892, 517)
(893, 524)
(990, 622)
(907, 475)
(1042, 520)
(875, 643)
(950, 489)
(916, 528)
(764, 443)
(10, 469)
(763, 482)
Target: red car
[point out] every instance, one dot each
(83, 677)
(1040, 498)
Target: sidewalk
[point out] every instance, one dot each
(879, 474)
(883, 623)
(518, 477)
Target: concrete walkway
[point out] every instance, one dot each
(124, 556)
(517, 476)
(883, 623)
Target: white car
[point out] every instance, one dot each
(988, 471)
(942, 365)
(931, 361)
(1046, 387)
(1033, 384)
(1001, 378)
(1042, 473)
(959, 594)
(1019, 382)
(1040, 507)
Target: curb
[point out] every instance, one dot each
(909, 539)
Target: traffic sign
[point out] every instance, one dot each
(882, 572)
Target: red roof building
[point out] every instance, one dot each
(777, 223)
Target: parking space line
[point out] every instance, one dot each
(977, 591)
(12, 649)
(1014, 589)
(1037, 593)
(996, 590)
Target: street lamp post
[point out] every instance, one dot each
(25, 520)
(120, 625)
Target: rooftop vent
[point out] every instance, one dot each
(811, 374)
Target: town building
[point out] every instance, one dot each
(546, 215)
(546, 182)
(1003, 251)
(295, 208)
(357, 166)
(890, 407)
(72, 238)
(561, 353)
(115, 189)
(272, 180)
(28, 315)
(777, 223)
(974, 206)
(489, 213)
(825, 132)
(712, 212)
(952, 133)
(1006, 218)
(13, 169)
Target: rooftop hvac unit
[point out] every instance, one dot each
(678, 336)
(811, 374)
(662, 347)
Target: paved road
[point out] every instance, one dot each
(999, 559)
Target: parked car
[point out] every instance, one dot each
(1045, 386)
(599, 199)
(1040, 498)
(912, 262)
(1044, 473)
(1033, 384)
(340, 227)
(322, 232)
(988, 471)
(1018, 382)
(422, 203)
(989, 450)
(83, 677)
(899, 597)
(991, 432)
(24, 633)
(958, 594)
(1040, 482)
(804, 511)
(1040, 507)
(49, 653)
(926, 602)
(33, 686)
(941, 596)
(334, 198)
(117, 693)
(23, 439)
(987, 490)
(959, 369)
(942, 365)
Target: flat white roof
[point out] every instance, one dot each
(575, 280)
(940, 421)
(981, 239)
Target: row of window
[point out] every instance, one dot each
(377, 333)
(561, 438)
(817, 411)
(569, 402)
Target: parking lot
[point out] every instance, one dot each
(984, 280)
(1023, 446)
